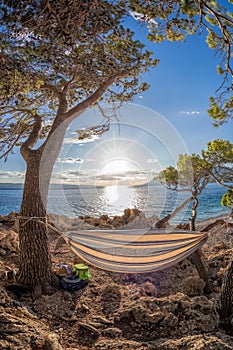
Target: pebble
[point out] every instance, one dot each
(102, 320)
(112, 332)
(67, 296)
(149, 289)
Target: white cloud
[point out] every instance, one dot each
(70, 160)
(152, 160)
(72, 140)
(47, 122)
(94, 178)
(142, 17)
(127, 178)
(2, 174)
(59, 176)
(11, 176)
(190, 112)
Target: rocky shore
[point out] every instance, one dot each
(163, 310)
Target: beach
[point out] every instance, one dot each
(167, 309)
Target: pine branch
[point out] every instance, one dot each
(32, 138)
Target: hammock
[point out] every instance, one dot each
(135, 251)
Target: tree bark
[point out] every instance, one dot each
(194, 215)
(226, 299)
(196, 260)
(35, 269)
(196, 257)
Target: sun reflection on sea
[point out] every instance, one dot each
(118, 197)
(111, 194)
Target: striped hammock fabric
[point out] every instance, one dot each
(135, 251)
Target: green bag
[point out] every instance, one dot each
(82, 271)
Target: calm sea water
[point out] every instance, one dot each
(152, 199)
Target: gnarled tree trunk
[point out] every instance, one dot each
(196, 257)
(35, 270)
(192, 220)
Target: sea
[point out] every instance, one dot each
(153, 199)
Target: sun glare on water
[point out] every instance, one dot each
(111, 194)
(118, 196)
(119, 192)
(118, 169)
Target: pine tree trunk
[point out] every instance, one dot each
(194, 215)
(196, 257)
(226, 299)
(35, 270)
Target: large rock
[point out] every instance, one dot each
(21, 329)
(193, 286)
(131, 218)
(9, 240)
(110, 299)
(119, 345)
(162, 317)
(195, 342)
(8, 220)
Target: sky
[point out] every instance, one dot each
(168, 119)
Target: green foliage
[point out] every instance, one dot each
(212, 41)
(221, 110)
(169, 176)
(220, 70)
(219, 154)
(193, 170)
(191, 174)
(49, 51)
(227, 199)
(211, 20)
(175, 20)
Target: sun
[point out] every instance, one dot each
(117, 163)
(116, 166)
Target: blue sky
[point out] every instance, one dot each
(180, 87)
